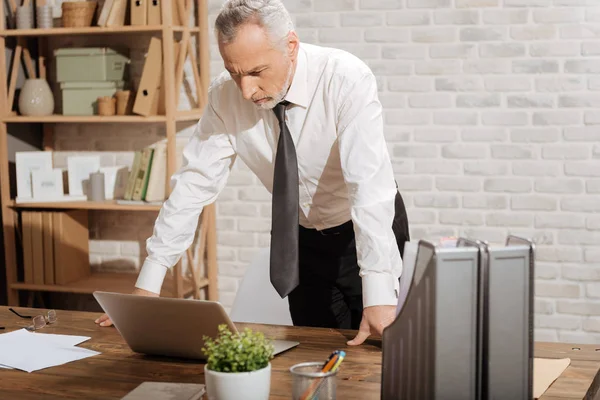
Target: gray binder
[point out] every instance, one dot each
(430, 350)
(510, 320)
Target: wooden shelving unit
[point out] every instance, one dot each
(175, 284)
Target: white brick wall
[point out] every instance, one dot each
(492, 124)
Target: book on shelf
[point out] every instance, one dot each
(55, 246)
(148, 176)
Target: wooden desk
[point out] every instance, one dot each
(117, 370)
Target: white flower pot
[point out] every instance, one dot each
(255, 385)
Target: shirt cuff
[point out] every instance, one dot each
(151, 277)
(379, 289)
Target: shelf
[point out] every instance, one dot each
(92, 30)
(110, 205)
(191, 115)
(108, 281)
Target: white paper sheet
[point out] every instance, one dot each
(30, 351)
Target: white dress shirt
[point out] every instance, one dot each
(345, 171)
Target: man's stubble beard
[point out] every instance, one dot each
(269, 105)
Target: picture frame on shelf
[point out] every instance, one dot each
(79, 169)
(26, 163)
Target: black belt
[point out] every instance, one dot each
(336, 230)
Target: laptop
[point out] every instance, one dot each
(167, 326)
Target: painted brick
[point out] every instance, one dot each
(556, 289)
(560, 118)
(434, 100)
(385, 35)
(533, 203)
(438, 167)
(455, 118)
(557, 254)
(457, 184)
(433, 35)
(403, 52)
(504, 118)
(485, 202)
(560, 84)
(509, 219)
(505, 84)
(486, 67)
(459, 84)
(335, 5)
(559, 185)
(483, 34)
(535, 135)
(553, 50)
(533, 32)
(545, 221)
(508, 185)
(511, 151)
(485, 168)
(456, 17)
(380, 4)
(436, 200)
(505, 16)
(410, 84)
(435, 135)
(484, 134)
(408, 18)
(560, 152)
(535, 168)
(581, 204)
(452, 50)
(510, 50)
(354, 19)
(461, 218)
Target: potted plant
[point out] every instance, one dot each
(238, 365)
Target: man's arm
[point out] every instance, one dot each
(371, 186)
(207, 160)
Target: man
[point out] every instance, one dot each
(307, 121)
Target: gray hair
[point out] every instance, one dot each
(271, 15)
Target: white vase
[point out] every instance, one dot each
(255, 385)
(36, 98)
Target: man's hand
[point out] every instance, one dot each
(374, 319)
(105, 321)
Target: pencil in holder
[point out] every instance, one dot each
(309, 383)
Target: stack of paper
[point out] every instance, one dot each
(29, 351)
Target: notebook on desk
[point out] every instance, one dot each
(166, 391)
(169, 327)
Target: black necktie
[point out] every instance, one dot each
(284, 233)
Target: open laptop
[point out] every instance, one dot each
(169, 327)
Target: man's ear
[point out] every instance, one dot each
(293, 45)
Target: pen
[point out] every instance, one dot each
(331, 365)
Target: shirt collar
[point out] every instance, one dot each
(298, 94)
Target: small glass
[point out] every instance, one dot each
(39, 321)
(308, 382)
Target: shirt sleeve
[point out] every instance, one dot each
(207, 161)
(369, 176)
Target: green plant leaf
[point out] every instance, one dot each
(243, 351)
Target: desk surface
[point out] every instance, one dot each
(118, 370)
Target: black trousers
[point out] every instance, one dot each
(330, 291)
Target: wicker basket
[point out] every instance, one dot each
(78, 13)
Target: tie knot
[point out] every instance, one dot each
(279, 110)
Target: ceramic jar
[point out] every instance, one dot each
(36, 98)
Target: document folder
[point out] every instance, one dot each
(430, 350)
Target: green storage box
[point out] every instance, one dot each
(81, 98)
(87, 64)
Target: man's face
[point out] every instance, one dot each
(263, 73)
